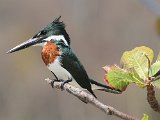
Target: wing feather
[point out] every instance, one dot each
(71, 63)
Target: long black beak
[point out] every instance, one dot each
(24, 45)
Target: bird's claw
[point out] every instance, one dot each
(52, 82)
(64, 82)
(62, 86)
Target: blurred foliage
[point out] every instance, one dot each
(145, 117)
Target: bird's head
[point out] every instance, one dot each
(54, 31)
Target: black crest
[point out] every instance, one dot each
(58, 28)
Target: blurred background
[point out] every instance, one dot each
(100, 31)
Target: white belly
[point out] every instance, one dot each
(59, 71)
(62, 73)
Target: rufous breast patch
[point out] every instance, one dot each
(50, 52)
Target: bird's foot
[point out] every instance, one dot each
(52, 82)
(64, 82)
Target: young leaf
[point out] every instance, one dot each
(155, 67)
(139, 59)
(119, 78)
(145, 117)
(136, 79)
(155, 72)
(107, 68)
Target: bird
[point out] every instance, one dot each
(60, 59)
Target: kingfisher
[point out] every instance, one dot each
(60, 58)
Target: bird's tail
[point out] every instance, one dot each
(98, 86)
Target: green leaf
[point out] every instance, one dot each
(120, 78)
(155, 67)
(136, 79)
(139, 59)
(145, 117)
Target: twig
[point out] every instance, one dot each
(152, 99)
(87, 98)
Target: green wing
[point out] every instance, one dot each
(71, 63)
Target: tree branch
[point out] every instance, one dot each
(152, 99)
(87, 98)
